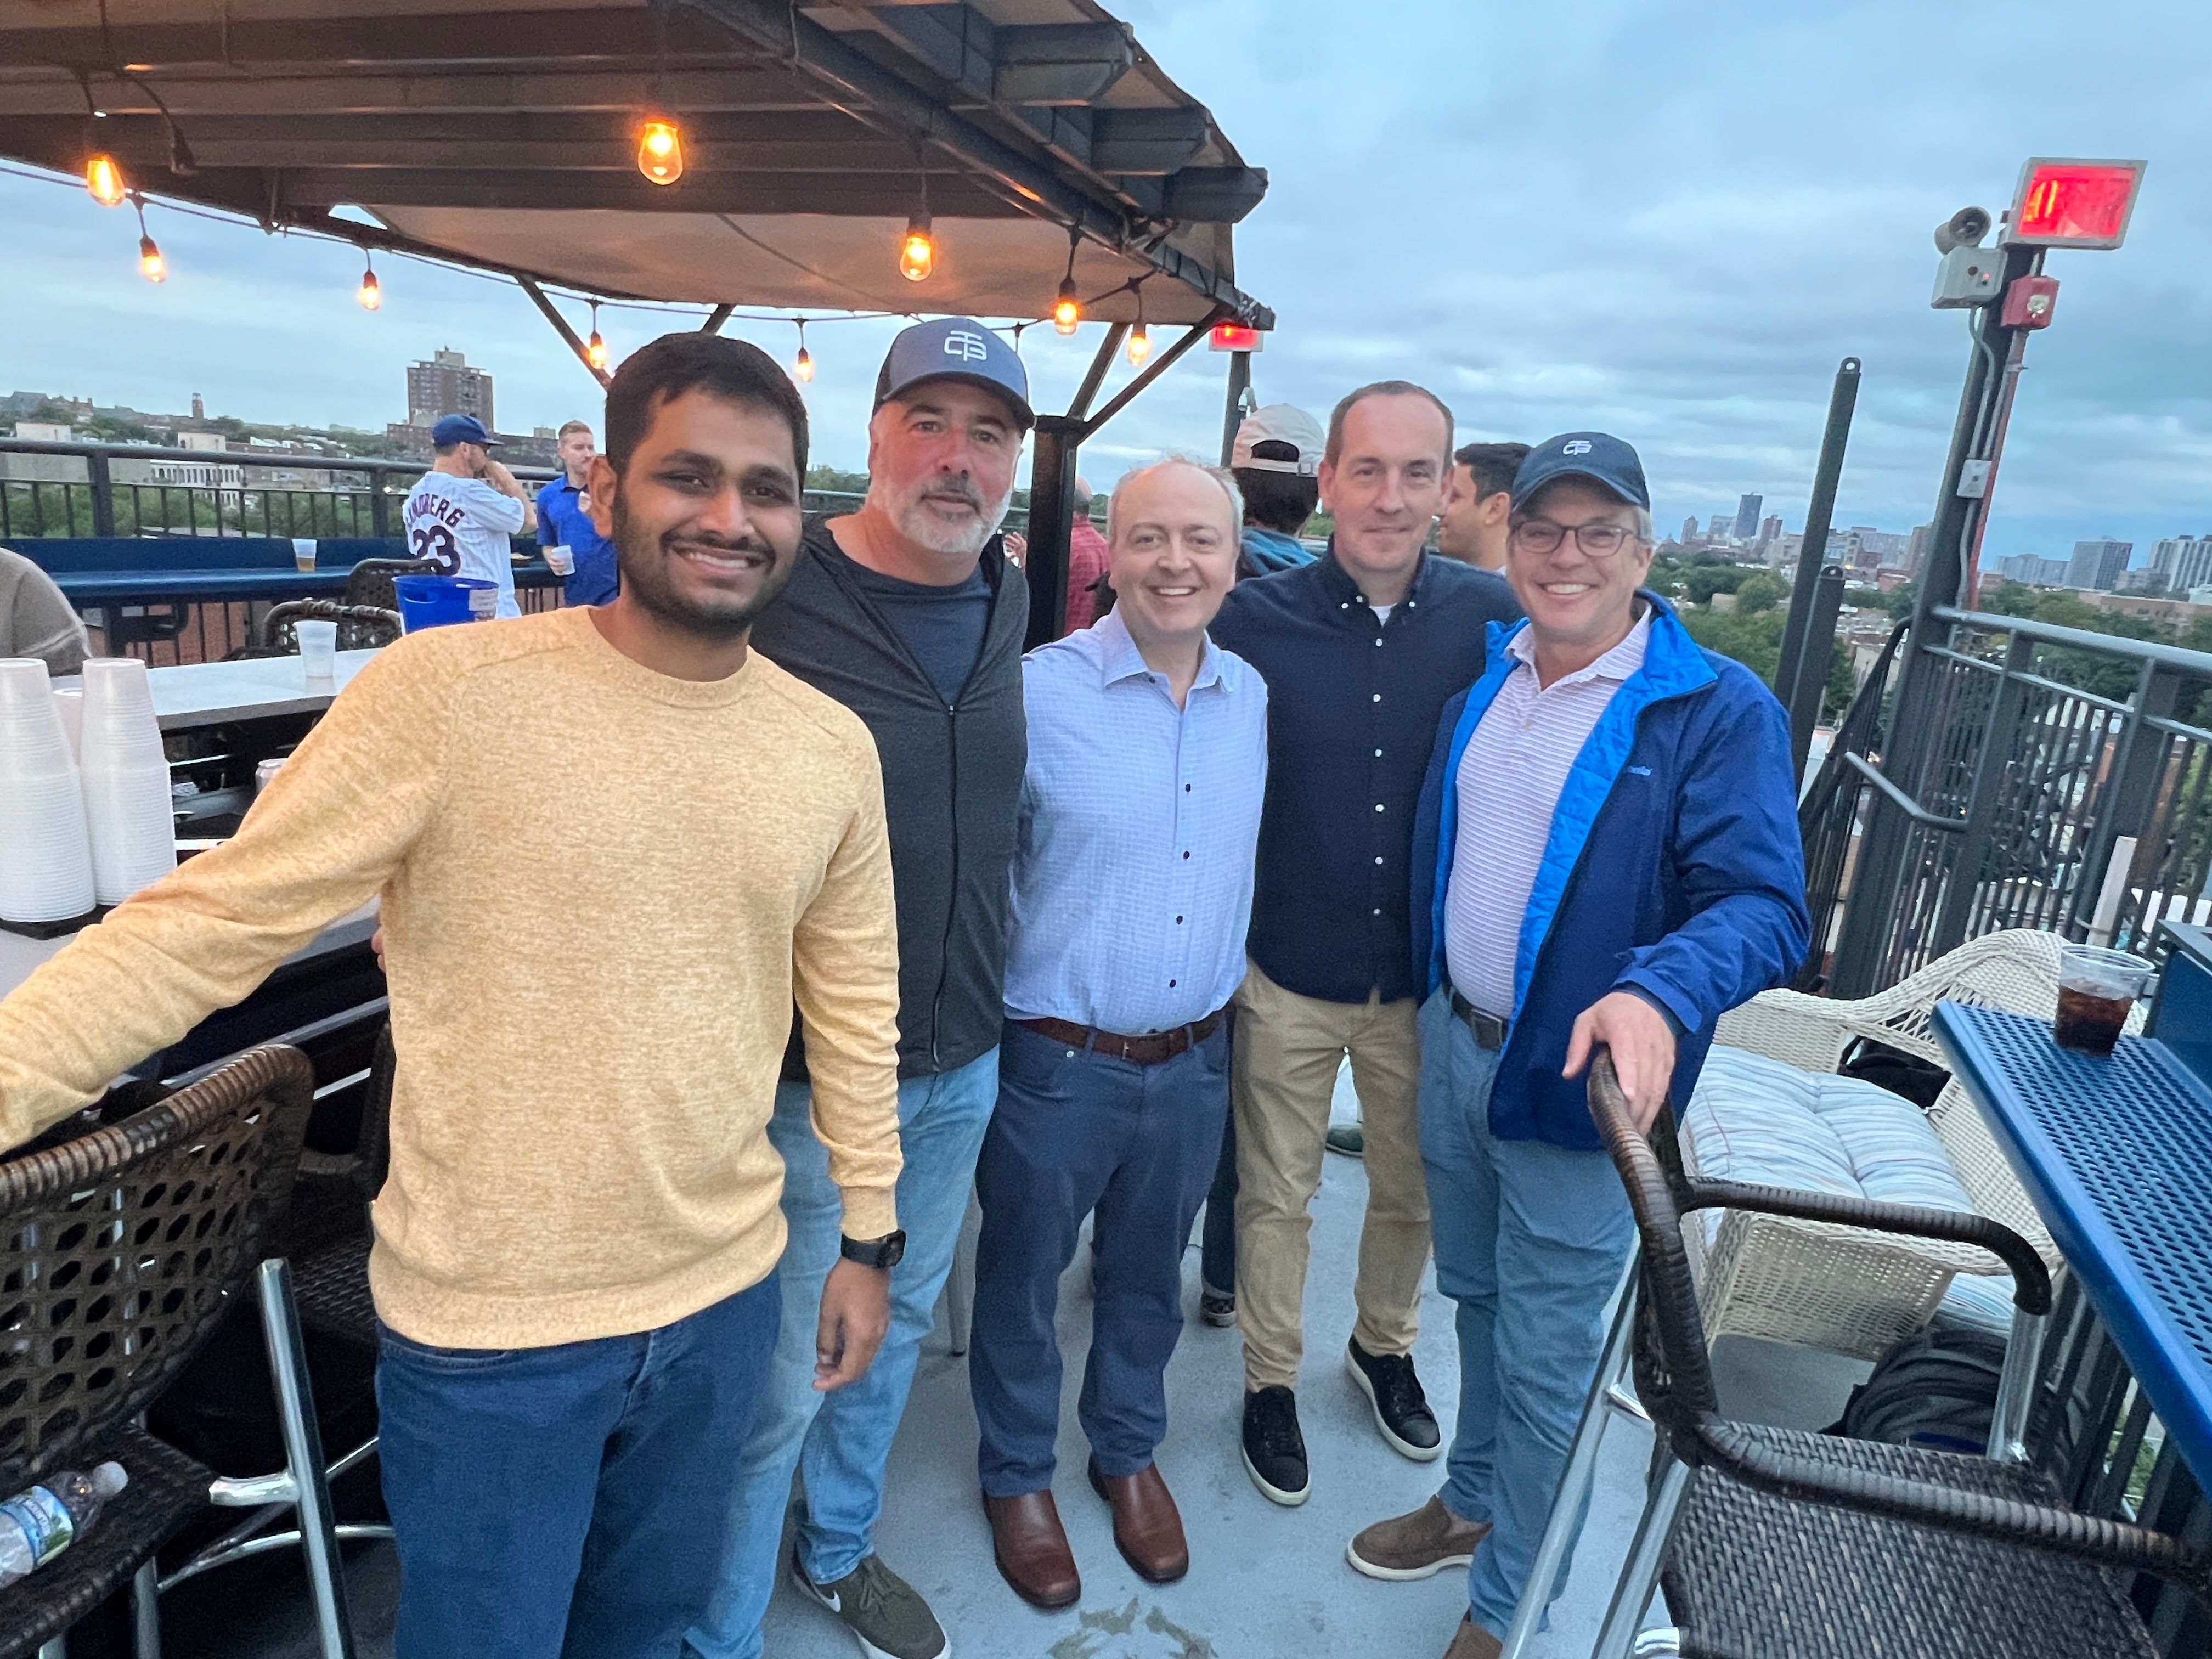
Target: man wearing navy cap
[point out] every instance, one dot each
(460, 513)
(908, 612)
(1606, 852)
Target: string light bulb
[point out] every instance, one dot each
(802, 365)
(917, 249)
(103, 179)
(1140, 345)
(1067, 308)
(372, 291)
(660, 151)
(595, 349)
(151, 264)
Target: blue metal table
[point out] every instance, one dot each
(2116, 1155)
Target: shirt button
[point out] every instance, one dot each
(1378, 697)
(1378, 860)
(1378, 805)
(1378, 912)
(1170, 985)
(1186, 789)
(1186, 855)
(1378, 754)
(1178, 921)
(1378, 642)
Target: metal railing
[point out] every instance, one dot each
(2053, 751)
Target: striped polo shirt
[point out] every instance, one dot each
(1515, 764)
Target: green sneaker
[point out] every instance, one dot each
(887, 1616)
(1346, 1138)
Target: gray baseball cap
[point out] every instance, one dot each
(955, 348)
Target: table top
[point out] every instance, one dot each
(2117, 1156)
(20, 956)
(207, 693)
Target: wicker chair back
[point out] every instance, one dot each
(373, 581)
(121, 1249)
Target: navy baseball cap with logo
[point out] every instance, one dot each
(955, 348)
(1598, 458)
(461, 429)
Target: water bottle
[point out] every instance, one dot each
(37, 1525)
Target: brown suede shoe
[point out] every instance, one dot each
(1031, 1549)
(1471, 1641)
(1147, 1529)
(1415, 1546)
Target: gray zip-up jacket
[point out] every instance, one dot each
(952, 786)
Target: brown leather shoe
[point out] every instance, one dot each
(1147, 1529)
(1031, 1549)
(1471, 1641)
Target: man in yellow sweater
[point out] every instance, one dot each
(575, 1251)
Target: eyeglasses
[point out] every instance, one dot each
(1599, 541)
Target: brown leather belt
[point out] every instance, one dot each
(1136, 1050)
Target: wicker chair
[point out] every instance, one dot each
(1771, 1541)
(123, 1248)
(360, 627)
(373, 582)
(1792, 1280)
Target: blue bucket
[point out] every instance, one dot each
(434, 601)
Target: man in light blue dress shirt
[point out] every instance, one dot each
(1132, 891)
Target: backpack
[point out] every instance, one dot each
(1937, 1389)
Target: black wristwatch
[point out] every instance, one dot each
(881, 1253)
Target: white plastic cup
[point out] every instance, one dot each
(303, 555)
(319, 651)
(46, 857)
(127, 802)
(561, 559)
(69, 703)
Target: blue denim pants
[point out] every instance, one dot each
(1531, 1239)
(567, 1500)
(1076, 1132)
(840, 1441)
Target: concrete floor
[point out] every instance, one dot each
(1266, 1582)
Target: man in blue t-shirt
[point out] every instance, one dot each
(564, 519)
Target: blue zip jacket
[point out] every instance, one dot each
(1674, 870)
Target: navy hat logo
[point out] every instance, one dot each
(955, 348)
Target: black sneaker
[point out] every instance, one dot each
(1401, 1410)
(1274, 1450)
(1217, 1307)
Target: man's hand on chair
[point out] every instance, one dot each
(1642, 1044)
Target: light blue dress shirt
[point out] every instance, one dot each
(1133, 872)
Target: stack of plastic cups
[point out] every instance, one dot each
(126, 781)
(45, 859)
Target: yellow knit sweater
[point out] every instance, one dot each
(601, 890)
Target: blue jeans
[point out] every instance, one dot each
(840, 1441)
(1074, 1132)
(567, 1500)
(1551, 1227)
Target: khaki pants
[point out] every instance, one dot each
(1289, 1049)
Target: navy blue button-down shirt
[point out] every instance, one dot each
(561, 521)
(1352, 706)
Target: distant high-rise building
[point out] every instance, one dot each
(199, 409)
(1721, 526)
(447, 386)
(1690, 537)
(2191, 568)
(2096, 565)
(1916, 550)
(1747, 517)
(1769, 530)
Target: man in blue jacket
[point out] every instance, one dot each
(1606, 852)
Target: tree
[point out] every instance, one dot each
(1762, 590)
(1899, 600)
(1707, 580)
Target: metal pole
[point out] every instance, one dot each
(1813, 552)
(1052, 510)
(1240, 393)
(1871, 912)
(561, 327)
(103, 492)
(1817, 648)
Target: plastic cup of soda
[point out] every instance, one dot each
(2096, 990)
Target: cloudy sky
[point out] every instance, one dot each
(1670, 220)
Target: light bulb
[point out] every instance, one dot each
(660, 151)
(1066, 309)
(150, 261)
(372, 292)
(917, 253)
(802, 367)
(1140, 345)
(595, 350)
(104, 180)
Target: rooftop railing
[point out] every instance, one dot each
(2062, 780)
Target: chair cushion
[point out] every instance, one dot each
(1755, 1119)
(1980, 1302)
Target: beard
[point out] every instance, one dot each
(645, 561)
(920, 525)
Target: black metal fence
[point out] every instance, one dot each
(2062, 768)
